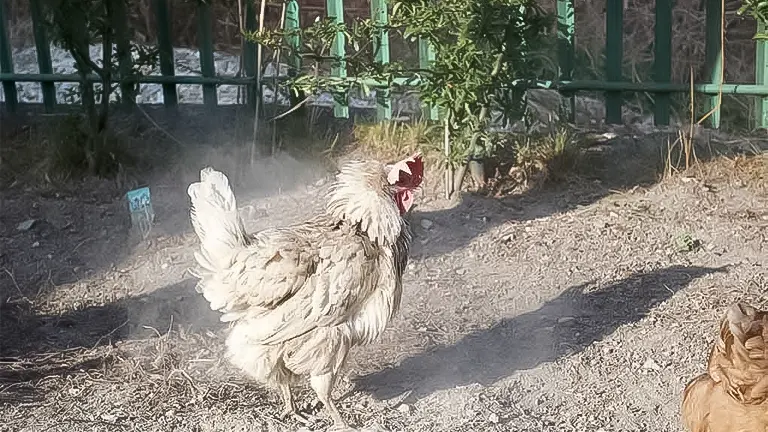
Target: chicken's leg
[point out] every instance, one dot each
(322, 385)
(290, 406)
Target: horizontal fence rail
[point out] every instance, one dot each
(613, 87)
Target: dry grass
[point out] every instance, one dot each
(391, 139)
(550, 157)
(162, 376)
(747, 171)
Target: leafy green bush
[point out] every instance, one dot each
(481, 47)
(757, 9)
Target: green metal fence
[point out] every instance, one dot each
(613, 86)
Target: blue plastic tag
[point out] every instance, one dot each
(140, 206)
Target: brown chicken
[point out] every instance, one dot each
(299, 297)
(732, 396)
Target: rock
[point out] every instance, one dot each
(565, 320)
(426, 224)
(461, 271)
(109, 417)
(493, 418)
(650, 364)
(26, 225)
(36, 244)
(373, 428)
(404, 408)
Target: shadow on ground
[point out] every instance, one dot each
(38, 345)
(619, 163)
(563, 326)
(138, 317)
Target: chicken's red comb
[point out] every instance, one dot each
(413, 167)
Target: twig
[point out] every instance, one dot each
(259, 53)
(297, 106)
(155, 124)
(109, 334)
(15, 284)
(275, 86)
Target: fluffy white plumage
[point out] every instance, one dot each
(301, 296)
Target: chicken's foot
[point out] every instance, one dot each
(290, 407)
(322, 385)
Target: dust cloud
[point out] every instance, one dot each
(271, 191)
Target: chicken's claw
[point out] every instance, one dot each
(303, 419)
(341, 428)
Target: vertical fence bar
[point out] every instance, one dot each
(6, 63)
(614, 52)
(170, 98)
(254, 91)
(336, 11)
(205, 46)
(662, 59)
(566, 27)
(293, 24)
(124, 60)
(761, 78)
(43, 48)
(381, 45)
(426, 58)
(714, 59)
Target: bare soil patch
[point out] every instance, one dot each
(585, 305)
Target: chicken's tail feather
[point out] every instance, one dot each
(739, 359)
(218, 225)
(695, 408)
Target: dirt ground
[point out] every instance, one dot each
(584, 306)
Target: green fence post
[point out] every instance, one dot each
(662, 59)
(43, 48)
(761, 78)
(614, 52)
(381, 45)
(253, 91)
(205, 46)
(170, 98)
(125, 62)
(426, 58)
(6, 64)
(336, 11)
(714, 60)
(566, 27)
(292, 24)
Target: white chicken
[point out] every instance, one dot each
(299, 297)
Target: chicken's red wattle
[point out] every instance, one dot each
(404, 200)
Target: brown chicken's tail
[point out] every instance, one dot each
(695, 409)
(737, 374)
(739, 359)
(215, 219)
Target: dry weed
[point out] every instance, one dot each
(390, 140)
(541, 158)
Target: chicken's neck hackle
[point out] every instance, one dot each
(362, 195)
